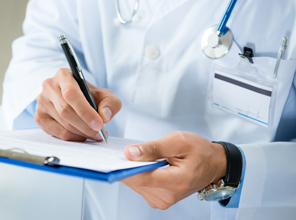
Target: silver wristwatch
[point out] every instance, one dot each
(226, 187)
(217, 191)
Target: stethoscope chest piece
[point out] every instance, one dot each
(213, 46)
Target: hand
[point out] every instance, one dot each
(194, 164)
(64, 112)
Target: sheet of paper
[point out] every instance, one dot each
(91, 155)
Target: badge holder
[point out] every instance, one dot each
(243, 91)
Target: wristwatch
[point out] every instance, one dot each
(225, 187)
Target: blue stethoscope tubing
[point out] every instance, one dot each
(217, 40)
(222, 29)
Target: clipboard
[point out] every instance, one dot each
(110, 177)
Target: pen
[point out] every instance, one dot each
(280, 56)
(79, 77)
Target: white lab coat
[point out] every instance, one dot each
(170, 92)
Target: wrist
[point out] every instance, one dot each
(220, 162)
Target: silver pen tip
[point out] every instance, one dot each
(103, 135)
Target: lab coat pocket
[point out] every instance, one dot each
(232, 93)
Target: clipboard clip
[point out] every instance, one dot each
(25, 156)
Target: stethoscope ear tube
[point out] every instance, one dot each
(118, 12)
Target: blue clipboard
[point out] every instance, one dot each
(85, 173)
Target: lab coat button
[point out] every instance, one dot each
(152, 52)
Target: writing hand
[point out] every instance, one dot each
(64, 112)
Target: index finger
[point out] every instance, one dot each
(73, 95)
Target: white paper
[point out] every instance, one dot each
(91, 155)
(249, 103)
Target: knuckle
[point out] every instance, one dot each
(65, 135)
(84, 112)
(152, 150)
(64, 110)
(169, 200)
(119, 103)
(47, 83)
(38, 118)
(68, 126)
(62, 72)
(108, 91)
(68, 92)
(152, 205)
(163, 206)
(181, 138)
(115, 102)
(40, 100)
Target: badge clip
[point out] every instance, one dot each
(248, 54)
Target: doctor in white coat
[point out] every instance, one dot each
(154, 67)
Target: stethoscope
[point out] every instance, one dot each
(216, 41)
(119, 17)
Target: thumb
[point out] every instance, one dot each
(150, 151)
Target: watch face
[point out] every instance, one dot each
(219, 195)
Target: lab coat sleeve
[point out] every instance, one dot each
(269, 183)
(38, 56)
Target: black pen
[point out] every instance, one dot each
(79, 77)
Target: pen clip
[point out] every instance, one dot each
(64, 40)
(280, 56)
(284, 47)
(74, 56)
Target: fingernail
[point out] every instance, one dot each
(107, 113)
(134, 151)
(96, 125)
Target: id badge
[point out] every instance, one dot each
(246, 96)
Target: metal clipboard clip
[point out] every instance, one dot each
(25, 156)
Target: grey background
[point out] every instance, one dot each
(12, 14)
